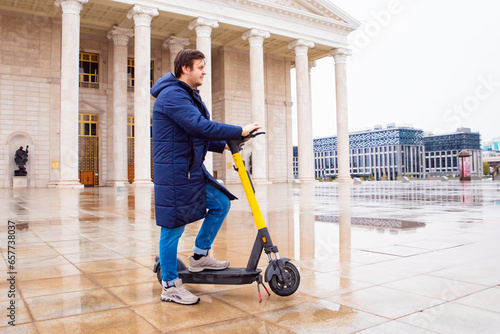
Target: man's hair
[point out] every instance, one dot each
(186, 58)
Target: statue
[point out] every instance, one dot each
(21, 158)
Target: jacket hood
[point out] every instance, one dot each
(165, 81)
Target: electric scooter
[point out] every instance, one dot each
(282, 275)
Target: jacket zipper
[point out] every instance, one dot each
(191, 155)
(191, 144)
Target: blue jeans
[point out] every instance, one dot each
(218, 206)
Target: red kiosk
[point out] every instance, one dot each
(464, 165)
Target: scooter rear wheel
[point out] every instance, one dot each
(157, 268)
(288, 287)
(158, 275)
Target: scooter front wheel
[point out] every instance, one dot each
(288, 286)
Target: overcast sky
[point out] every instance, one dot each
(431, 64)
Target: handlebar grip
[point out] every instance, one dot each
(235, 145)
(253, 134)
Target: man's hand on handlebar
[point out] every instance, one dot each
(248, 132)
(247, 129)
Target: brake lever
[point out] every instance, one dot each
(252, 134)
(241, 142)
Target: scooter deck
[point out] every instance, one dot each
(229, 276)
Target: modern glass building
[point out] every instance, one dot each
(398, 151)
(493, 145)
(441, 152)
(491, 154)
(295, 162)
(381, 153)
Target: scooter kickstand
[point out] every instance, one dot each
(265, 288)
(259, 282)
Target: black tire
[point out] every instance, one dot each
(288, 287)
(180, 266)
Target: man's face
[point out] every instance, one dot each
(194, 77)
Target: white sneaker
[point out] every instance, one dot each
(206, 262)
(178, 294)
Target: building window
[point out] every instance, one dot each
(130, 127)
(131, 73)
(89, 70)
(88, 125)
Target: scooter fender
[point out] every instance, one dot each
(180, 265)
(275, 267)
(157, 264)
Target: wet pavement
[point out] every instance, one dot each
(380, 257)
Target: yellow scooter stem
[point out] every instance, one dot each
(247, 186)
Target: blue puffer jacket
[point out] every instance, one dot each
(182, 135)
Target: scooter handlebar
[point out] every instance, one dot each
(236, 145)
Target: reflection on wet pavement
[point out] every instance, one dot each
(380, 257)
(373, 222)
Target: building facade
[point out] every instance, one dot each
(379, 153)
(386, 154)
(441, 153)
(493, 145)
(491, 155)
(75, 77)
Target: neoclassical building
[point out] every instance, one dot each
(75, 78)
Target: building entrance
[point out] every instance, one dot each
(88, 149)
(130, 149)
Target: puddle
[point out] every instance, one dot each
(373, 222)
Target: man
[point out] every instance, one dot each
(184, 190)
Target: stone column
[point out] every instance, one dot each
(304, 119)
(117, 120)
(344, 193)
(259, 145)
(312, 64)
(175, 44)
(307, 234)
(142, 16)
(203, 28)
(289, 126)
(68, 132)
(340, 55)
